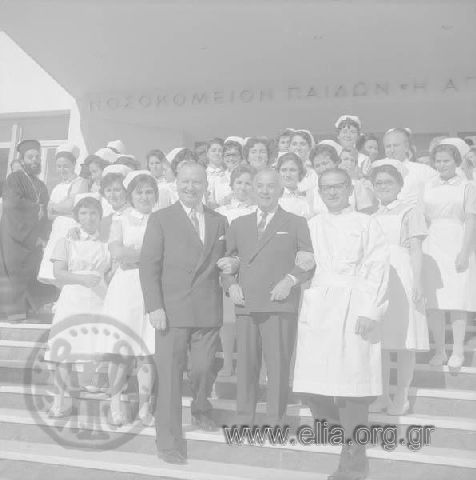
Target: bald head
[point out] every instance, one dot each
(268, 189)
(191, 184)
(397, 144)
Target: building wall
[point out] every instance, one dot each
(161, 74)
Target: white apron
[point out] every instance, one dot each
(85, 256)
(445, 288)
(350, 281)
(404, 326)
(60, 228)
(124, 302)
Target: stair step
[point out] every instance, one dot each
(451, 431)
(140, 464)
(429, 462)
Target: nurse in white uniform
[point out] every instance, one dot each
(60, 206)
(79, 265)
(291, 170)
(124, 301)
(450, 264)
(405, 329)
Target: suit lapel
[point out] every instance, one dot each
(211, 231)
(274, 225)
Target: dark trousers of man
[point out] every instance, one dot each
(271, 335)
(349, 412)
(171, 358)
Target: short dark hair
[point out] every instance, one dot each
(232, 144)
(303, 134)
(390, 170)
(155, 153)
(139, 180)
(87, 202)
(90, 159)
(185, 154)
(251, 142)
(68, 155)
(363, 139)
(292, 157)
(240, 170)
(128, 161)
(109, 179)
(451, 149)
(324, 149)
(215, 141)
(336, 170)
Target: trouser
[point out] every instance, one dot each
(350, 412)
(271, 334)
(171, 358)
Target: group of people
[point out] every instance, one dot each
(322, 258)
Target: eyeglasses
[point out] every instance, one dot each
(337, 186)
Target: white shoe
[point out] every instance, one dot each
(399, 406)
(381, 404)
(438, 359)
(456, 361)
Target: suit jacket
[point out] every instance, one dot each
(264, 262)
(178, 273)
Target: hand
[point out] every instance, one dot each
(89, 280)
(73, 233)
(229, 265)
(236, 294)
(417, 293)
(158, 319)
(305, 261)
(282, 289)
(462, 262)
(364, 327)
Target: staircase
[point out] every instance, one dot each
(34, 446)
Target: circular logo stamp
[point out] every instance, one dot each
(83, 390)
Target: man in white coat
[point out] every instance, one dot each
(338, 358)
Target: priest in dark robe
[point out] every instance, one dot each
(24, 229)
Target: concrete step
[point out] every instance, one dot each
(453, 431)
(103, 465)
(31, 332)
(429, 462)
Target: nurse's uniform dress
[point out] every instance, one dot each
(351, 279)
(404, 325)
(445, 205)
(124, 303)
(62, 224)
(219, 189)
(231, 211)
(76, 339)
(296, 203)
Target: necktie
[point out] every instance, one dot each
(262, 224)
(194, 220)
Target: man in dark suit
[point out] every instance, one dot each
(182, 294)
(266, 296)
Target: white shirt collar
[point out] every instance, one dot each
(83, 235)
(198, 208)
(456, 180)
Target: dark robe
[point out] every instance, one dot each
(24, 221)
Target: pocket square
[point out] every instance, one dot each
(282, 233)
(222, 237)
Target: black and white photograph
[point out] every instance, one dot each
(238, 239)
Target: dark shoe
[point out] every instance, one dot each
(204, 422)
(172, 456)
